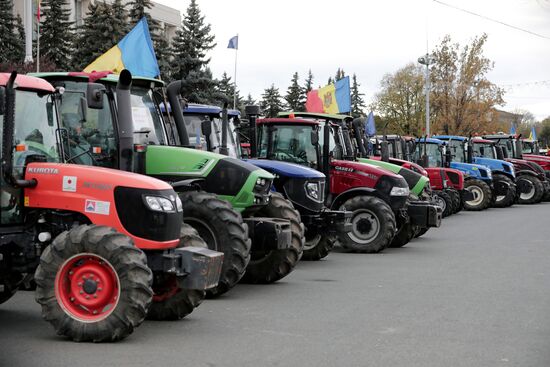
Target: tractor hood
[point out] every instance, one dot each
(525, 165)
(496, 165)
(474, 170)
(415, 181)
(542, 161)
(285, 169)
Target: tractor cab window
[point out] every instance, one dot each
(530, 147)
(231, 144)
(193, 125)
(289, 143)
(457, 150)
(89, 136)
(434, 152)
(484, 150)
(148, 126)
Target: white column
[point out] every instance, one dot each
(28, 21)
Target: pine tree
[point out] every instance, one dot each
(119, 22)
(357, 101)
(339, 74)
(295, 94)
(330, 81)
(138, 10)
(309, 82)
(94, 36)
(225, 89)
(20, 53)
(189, 46)
(249, 101)
(56, 33)
(10, 44)
(272, 102)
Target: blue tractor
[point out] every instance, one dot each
(483, 152)
(478, 179)
(213, 128)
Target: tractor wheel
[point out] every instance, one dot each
(223, 230)
(536, 190)
(455, 197)
(93, 284)
(403, 235)
(482, 195)
(445, 202)
(504, 201)
(170, 302)
(317, 247)
(422, 232)
(274, 265)
(373, 224)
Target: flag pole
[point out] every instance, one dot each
(38, 37)
(235, 76)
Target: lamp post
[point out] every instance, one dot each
(426, 60)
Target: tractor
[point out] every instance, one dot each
(213, 128)
(482, 152)
(227, 201)
(447, 184)
(435, 153)
(532, 170)
(422, 214)
(107, 248)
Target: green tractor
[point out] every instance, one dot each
(229, 202)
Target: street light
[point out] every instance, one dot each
(426, 60)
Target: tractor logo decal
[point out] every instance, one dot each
(344, 169)
(69, 183)
(198, 169)
(43, 170)
(97, 207)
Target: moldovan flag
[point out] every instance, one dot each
(334, 98)
(134, 52)
(533, 135)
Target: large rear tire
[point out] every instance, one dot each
(373, 224)
(319, 247)
(274, 265)
(222, 228)
(482, 195)
(403, 236)
(535, 193)
(170, 302)
(504, 201)
(93, 284)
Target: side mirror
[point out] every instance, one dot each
(206, 127)
(384, 151)
(94, 95)
(424, 161)
(482, 151)
(314, 137)
(500, 153)
(84, 109)
(448, 158)
(49, 113)
(2, 100)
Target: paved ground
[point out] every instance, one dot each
(475, 292)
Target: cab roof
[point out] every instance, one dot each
(289, 121)
(481, 140)
(103, 76)
(27, 82)
(430, 140)
(450, 137)
(320, 116)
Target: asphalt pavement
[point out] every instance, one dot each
(475, 292)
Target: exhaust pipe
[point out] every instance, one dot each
(225, 128)
(173, 91)
(125, 121)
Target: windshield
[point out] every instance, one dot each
(530, 147)
(146, 116)
(194, 131)
(433, 152)
(457, 150)
(484, 150)
(290, 143)
(507, 146)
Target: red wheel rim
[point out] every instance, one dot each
(87, 287)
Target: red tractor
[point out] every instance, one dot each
(107, 248)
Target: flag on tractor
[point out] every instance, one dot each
(134, 52)
(234, 43)
(533, 135)
(333, 98)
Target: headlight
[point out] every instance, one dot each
(445, 185)
(313, 191)
(399, 191)
(489, 174)
(159, 204)
(179, 204)
(262, 185)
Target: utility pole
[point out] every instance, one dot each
(28, 16)
(426, 60)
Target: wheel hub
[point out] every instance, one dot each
(365, 227)
(90, 286)
(478, 195)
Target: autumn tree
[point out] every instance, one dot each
(461, 97)
(400, 103)
(544, 134)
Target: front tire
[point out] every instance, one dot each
(319, 247)
(455, 198)
(93, 284)
(504, 201)
(535, 193)
(373, 224)
(403, 236)
(274, 265)
(445, 202)
(222, 228)
(170, 302)
(482, 195)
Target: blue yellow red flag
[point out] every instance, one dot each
(134, 52)
(533, 135)
(333, 98)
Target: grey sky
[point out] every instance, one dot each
(372, 38)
